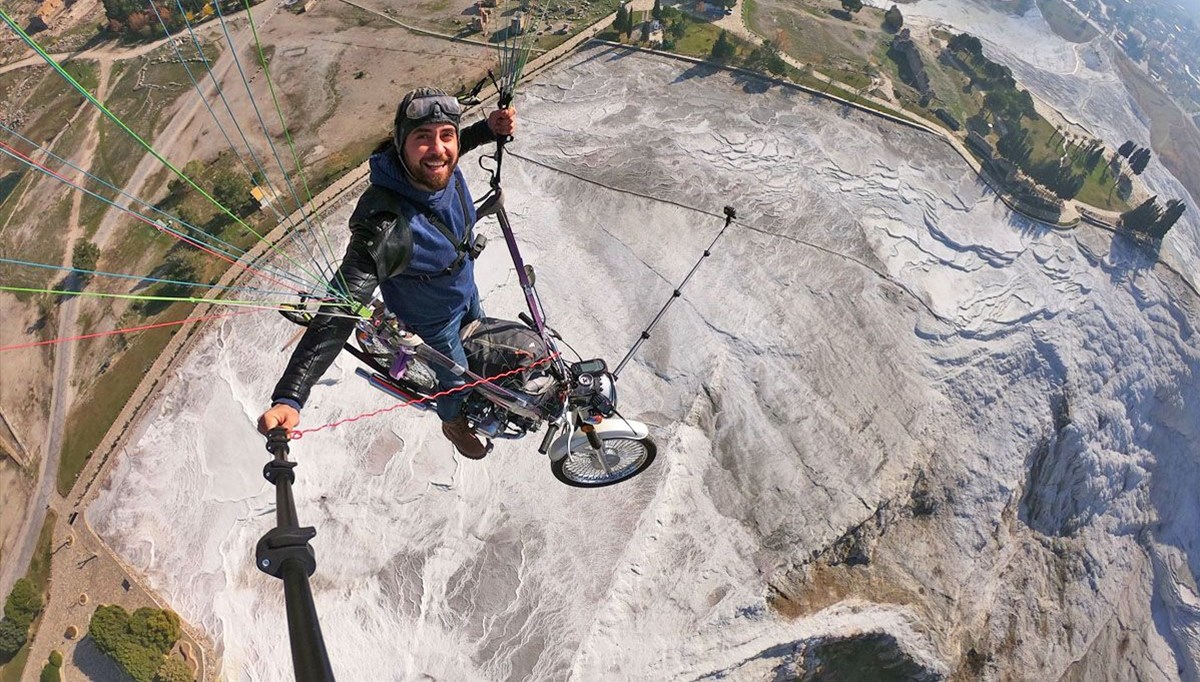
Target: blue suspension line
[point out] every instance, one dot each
(267, 134)
(142, 278)
(236, 256)
(204, 100)
(87, 191)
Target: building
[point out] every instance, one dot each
(265, 196)
(979, 144)
(656, 33)
(482, 19)
(947, 118)
(47, 12)
(518, 24)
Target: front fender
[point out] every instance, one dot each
(609, 428)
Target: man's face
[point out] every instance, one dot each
(431, 153)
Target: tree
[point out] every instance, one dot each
(657, 12)
(766, 58)
(1142, 218)
(852, 6)
(23, 603)
(84, 257)
(155, 628)
(722, 49)
(107, 627)
(12, 638)
(677, 30)
(1126, 149)
(1138, 161)
(137, 642)
(645, 31)
(1170, 216)
(50, 673)
(1095, 153)
(174, 670)
(231, 190)
(967, 43)
(1014, 147)
(893, 19)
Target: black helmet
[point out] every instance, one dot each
(421, 106)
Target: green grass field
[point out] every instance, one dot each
(1099, 189)
(94, 414)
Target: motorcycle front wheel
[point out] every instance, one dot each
(618, 459)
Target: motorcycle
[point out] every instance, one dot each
(516, 382)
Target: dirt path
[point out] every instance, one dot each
(113, 50)
(99, 560)
(61, 396)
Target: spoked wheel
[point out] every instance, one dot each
(417, 375)
(617, 460)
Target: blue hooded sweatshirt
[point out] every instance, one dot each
(429, 303)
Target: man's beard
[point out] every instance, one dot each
(431, 179)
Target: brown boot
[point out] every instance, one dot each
(460, 433)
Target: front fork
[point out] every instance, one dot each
(593, 438)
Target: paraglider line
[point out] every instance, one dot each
(11, 152)
(260, 305)
(287, 134)
(237, 62)
(36, 47)
(126, 330)
(297, 434)
(201, 233)
(204, 100)
(142, 278)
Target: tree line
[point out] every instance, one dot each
(1008, 105)
(137, 18)
(1138, 157)
(1151, 220)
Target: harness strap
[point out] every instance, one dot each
(463, 247)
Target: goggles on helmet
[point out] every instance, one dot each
(432, 109)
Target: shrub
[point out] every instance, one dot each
(12, 638)
(50, 673)
(56, 658)
(23, 603)
(137, 642)
(174, 670)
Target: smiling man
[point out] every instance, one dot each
(412, 237)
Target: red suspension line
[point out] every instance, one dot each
(156, 226)
(127, 330)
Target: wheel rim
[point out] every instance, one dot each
(623, 457)
(418, 373)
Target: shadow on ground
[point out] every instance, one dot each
(95, 665)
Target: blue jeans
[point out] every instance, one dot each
(446, 339)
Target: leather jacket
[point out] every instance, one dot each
(380, 247)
